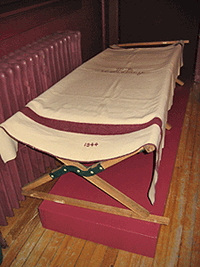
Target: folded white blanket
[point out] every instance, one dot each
(108, 107)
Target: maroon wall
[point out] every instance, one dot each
(26, 25)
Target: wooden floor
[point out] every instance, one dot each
(178, 244)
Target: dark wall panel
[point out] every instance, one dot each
(146, 20)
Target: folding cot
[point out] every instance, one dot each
(110, 108)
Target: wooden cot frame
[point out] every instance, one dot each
(134, 210)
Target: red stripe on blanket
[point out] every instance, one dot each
(88, 128)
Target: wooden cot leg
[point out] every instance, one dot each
(95, 206)
(107, 188)
(135, 210)
(152, 43)
(110, 190)
(42, 180)
(119, 196)
(168, 126)
(179, 82)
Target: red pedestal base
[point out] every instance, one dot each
(132, 177)
(111, 230)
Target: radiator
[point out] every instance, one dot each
(24, 74)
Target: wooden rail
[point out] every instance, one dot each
(151, 43)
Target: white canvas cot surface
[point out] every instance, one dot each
(108, 107)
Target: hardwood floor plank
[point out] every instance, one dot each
(97, 256)
(28, 246)
(110, 257)
(17, 222)
(195, 258)
(50, 250)
(16, 246)
(135, 260)
(17, 229)
(39, 248)
(22, 217)
(190, 213)
(12, 220)
(74, 253)
(146, 261)
(24, 205)
(62, 251)
(31, 211)
(86, 254)
(123, 259)
(171, 258)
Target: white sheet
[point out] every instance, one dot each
(117, 87)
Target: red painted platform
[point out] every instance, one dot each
(132, 177)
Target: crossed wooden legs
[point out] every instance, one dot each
(89, 173)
